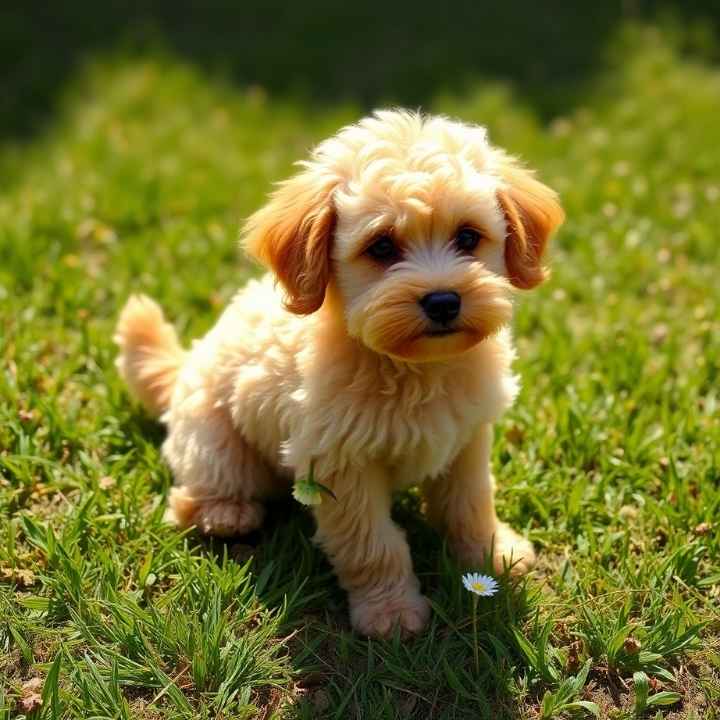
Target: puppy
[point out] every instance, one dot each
(377, 351)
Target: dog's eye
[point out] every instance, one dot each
(467, 239)
(383, 249)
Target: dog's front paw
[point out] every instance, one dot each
(509, 550)
(377, 615)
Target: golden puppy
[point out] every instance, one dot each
(382, 358)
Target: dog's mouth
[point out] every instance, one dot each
(443, 332)
(437, 343)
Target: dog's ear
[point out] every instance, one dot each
(532, 213)
(292, 235)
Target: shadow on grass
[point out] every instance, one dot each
(368, 53)
(428, 676)
(432, 675)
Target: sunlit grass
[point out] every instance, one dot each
(609, 460)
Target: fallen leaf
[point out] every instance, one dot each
(31, 700)
(20, 576)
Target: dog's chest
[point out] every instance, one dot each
(423, 442)
(414, 425)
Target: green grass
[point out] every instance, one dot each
(609, 460)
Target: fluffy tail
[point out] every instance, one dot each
(150, 354)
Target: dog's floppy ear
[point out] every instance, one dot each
(532, 212)
(292, 234)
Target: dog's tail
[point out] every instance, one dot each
(150, 354)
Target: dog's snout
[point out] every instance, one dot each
(442, 307)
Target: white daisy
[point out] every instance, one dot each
(482, 585)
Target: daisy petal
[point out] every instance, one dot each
(482, 585)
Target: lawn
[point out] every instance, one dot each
(610, 459)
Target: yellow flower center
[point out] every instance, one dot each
(479, 586)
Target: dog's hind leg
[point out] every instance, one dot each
(220, 480)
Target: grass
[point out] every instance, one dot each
(610, 459)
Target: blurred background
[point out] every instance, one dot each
(368, 53)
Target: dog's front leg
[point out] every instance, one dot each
(370, 554)
(462, 505)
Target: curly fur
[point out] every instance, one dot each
(328, 360)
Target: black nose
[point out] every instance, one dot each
(441, 307)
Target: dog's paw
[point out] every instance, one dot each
(510, 550)
(377, 617)
(222, 518)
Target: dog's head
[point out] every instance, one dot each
(419, 224)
